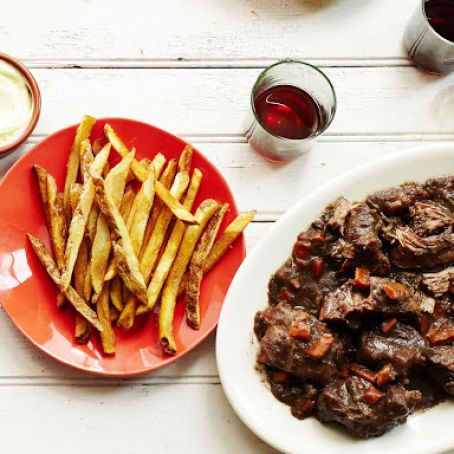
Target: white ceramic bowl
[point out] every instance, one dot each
(236, 345)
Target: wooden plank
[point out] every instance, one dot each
(215, 102)
(273, 188)
(164, 418)
(205, 29)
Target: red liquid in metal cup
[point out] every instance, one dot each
(440, 14)
(288, 111)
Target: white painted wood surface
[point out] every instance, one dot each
(188, 66)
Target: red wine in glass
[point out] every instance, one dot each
(288, 111)
(429, 36)
(440, 14)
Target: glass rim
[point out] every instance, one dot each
(298, 62)
(426, 19)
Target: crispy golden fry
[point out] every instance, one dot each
(153, 248)
(83, 133)
(196, 267)
(116, 293)
(125, 211)
(141, 208)
(128, 314)
(159, 162)
(41, 180)
(96, 146)
(69, 292)
(126, 203)
(86, 159)
(151, 251)
(74, 196)
(113, 314)
(185, 161)
(100, 253)
(108, 337)
(169, 293)
(166, 261)
(166, 179)
(140, 172)
(91, 224)
(57, 231)
(116, 179)
(127, 263)
(83, 328)
(115, 184)
(174, 205)
(230, 234)
(80, 218)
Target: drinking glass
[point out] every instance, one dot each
(425, 46)
(308, 92)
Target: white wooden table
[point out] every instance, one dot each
(188, 66)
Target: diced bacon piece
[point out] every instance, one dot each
(385, 375)
(301, 331)
(395, 291)
(362, 278)
(362, 372)
(317, 267)
(319, 348)
(372, 396)
(388, 325)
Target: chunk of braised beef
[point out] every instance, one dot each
(438, 283)
(338, 213)
(362, 228)
(312, 357)
(344, 305)
(441, 362)
(362, 408)
(412, 251)
(429, 217)
(396, 200)
(441, 331)
(441, 189)
(403, 347)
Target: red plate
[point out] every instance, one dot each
(28, 295)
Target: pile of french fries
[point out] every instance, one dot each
(117, 252)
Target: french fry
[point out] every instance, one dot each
(41, 180)
(140, 172)
(166, 179)
(113, 314)
(71, 295)
(127, 263)
(125, 211)
(57, 230)
(151, 251)
(185, 161)
(52, 203)
(72, 166)
(86, 159)
(230, 234)
(80, 218)
(169, 293)
(91, 224)
(159, 162)
(142, 206)
(108, 337)
(166, 261)
(115, 184)
(116, 293)
(195, 273)
(174, 206)
(82, 328)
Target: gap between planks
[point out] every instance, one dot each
(110, 381)
(325, 138)
(246, 63)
